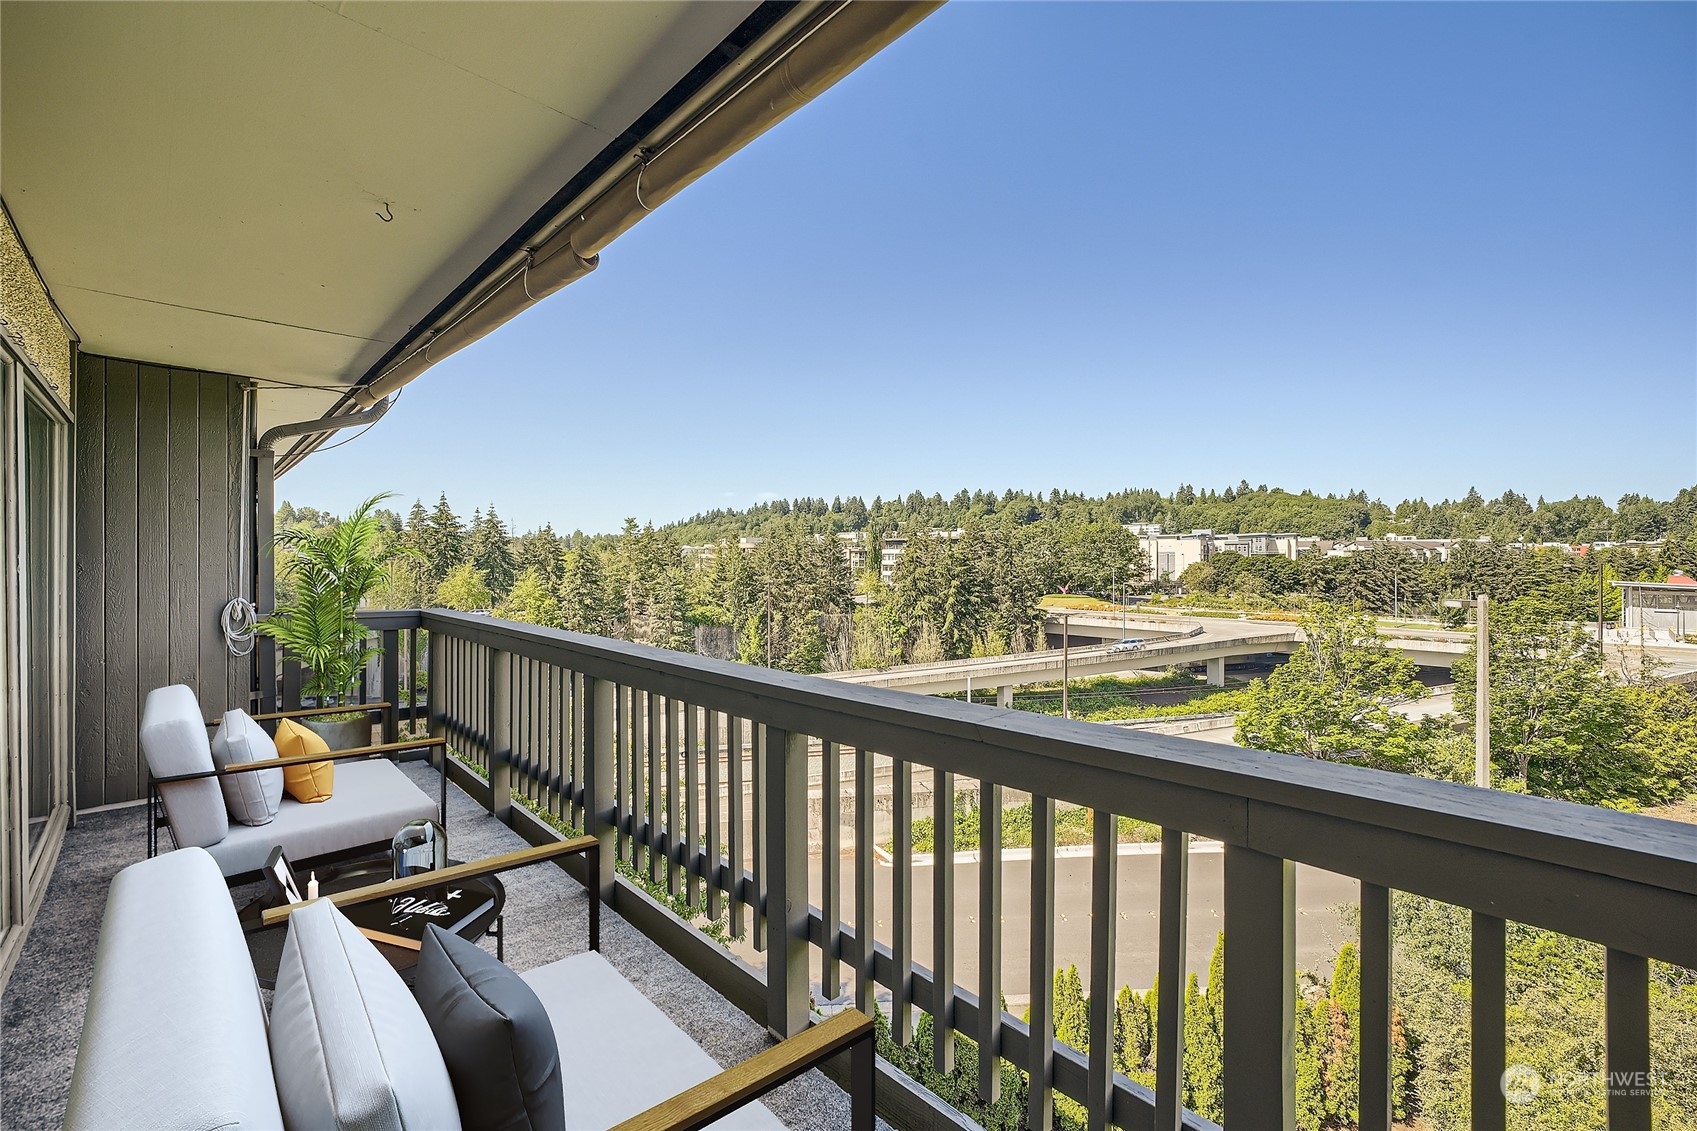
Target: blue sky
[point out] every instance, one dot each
(1409, 248)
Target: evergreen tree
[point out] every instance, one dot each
(1072, 1010)
(1204, 1057)
(585, 602)
(489, 551)
(1312, 1102)
(544, 552)
(442, 542)
(1343, 1052)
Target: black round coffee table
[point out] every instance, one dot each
(470, 908)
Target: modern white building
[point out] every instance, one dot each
(1660, 608)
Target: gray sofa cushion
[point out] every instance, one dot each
(173, 739)
(349, 1046)
(627, 1056)
(494, 1035)
(373, 799)
(251, 798)
(174, 1034)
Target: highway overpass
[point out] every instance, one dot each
(1191, 642)
(1213, 641)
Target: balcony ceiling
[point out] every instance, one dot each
(201, 183)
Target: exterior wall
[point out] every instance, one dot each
(158, 521)
(31, 320)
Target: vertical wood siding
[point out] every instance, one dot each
(158, 454)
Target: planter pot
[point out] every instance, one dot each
(349, 735)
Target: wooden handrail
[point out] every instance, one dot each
(488, 866)
(716, 1097)
(308, 712)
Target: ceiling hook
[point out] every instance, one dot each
(386, 216)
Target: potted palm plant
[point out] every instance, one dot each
(331, 571)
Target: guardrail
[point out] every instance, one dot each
(695, 773)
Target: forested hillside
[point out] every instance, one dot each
(1509, 518)
(788, 599)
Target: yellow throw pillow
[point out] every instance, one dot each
(309, 781)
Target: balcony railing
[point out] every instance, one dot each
(695, 775)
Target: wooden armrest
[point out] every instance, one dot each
(715, 1098)
(358, 752)
(308, 712)
(488, 866)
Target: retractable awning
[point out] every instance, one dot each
(331, 197)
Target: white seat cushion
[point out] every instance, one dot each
(174, 1035)
(619, 1055)
(173, 739)
(350, 1048)
(371, 802)
(251, 798)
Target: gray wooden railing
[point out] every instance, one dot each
(648, 749)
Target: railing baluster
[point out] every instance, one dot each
(989, 941)
(1104, 911)
(499, 700)
(901, 900)
(391, 685)
(1626, 980)
(636, 807)
(733, 762)
(715, 837)
(1040, 1063)
(943, 920)
(1260, 960)
(658, 711)
(830, 868)
(580, 752)
(690, 851)
(865, 912)
(757, 798)
(600, 801)
(786, 891)
(1375, 1007)
(437, 725)
(621, 759)
(674, 742)
(1490, 993)
(1170, 978)
(412, 679)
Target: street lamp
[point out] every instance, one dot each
(1481, 688)
(1066, 666)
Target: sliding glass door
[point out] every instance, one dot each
(34, 639)
(42, 695)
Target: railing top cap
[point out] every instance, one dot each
(1630, 846)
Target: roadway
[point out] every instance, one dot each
(1319, 928)
(1212, 641)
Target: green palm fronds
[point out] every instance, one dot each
(332, 572)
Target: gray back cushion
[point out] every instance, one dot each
(251, 798)
(173, 739)
(349, 1046)
(494, 1035)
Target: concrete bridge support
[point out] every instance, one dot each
(1217, 672)
(1004, 696)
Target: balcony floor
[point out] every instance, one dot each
(546, 919)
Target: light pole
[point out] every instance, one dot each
(1481, 687)
(1066, 670)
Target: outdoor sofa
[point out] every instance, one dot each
(196, 801)
(176, 1033)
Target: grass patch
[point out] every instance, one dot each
(1072, 827)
